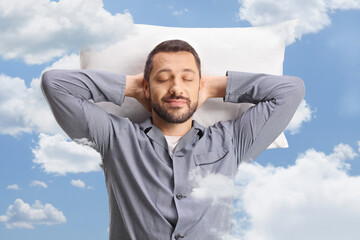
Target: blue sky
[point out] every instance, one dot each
(320, 171)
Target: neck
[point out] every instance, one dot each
(172, 129)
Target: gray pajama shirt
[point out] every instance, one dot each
(149, 188)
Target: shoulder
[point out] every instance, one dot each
(217, 134)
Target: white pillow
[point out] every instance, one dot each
(255, 49)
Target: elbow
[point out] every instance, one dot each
(300, 88)
(48, 80)
(297, 88)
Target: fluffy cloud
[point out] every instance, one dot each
(204, 186)
(313, 199)
(58, 155)
(312, 15)
(181, 12)
(39, 30)
(302, 115)
(78, 183)
(12, 105)
(38, 183)
(24, 109)
(22, 215)
(13, 187)
(71, 61)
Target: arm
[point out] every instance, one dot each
(68, 91)
(276, 99)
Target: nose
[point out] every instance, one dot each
(176, 88)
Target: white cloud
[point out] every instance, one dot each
(12, 105)
(38, 183)
(71, 61)
(13, 187)
(214, 186)
(344, 4)
(22, 215)
(39, 30)
(313, 15)
(313, 199)
(180, 12)
(57, 154)
(78, 183)
(358, 145)
(23, 109)
(303, 114)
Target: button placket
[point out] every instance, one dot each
(180, 196)
(178, 236)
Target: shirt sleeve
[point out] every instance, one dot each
(68, 93)
(276, 99)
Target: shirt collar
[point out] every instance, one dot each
(148, 124)
(157, 135)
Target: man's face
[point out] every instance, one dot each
(173, 86)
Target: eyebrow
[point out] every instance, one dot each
(168, 70)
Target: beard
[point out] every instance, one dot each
(169, 117)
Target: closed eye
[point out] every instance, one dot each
(162, 80)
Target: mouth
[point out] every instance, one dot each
(176, 101)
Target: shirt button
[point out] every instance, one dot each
(179, 196)
(178, 236)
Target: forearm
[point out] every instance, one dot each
(255, 88)
(134, 85)
(85, 84)
(238, 87)
(276, 99)
(68, 91)
(216, 86)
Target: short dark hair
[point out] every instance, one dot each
(174, 45)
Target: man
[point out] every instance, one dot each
(147, 166)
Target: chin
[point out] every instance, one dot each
(174, 114)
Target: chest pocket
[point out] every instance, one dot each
(211, 157)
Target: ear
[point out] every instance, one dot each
(146, 87)
(202, 91)
(201, 84)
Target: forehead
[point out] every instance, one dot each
(174, 61)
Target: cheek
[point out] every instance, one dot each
(195, 92)
(156, 94)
